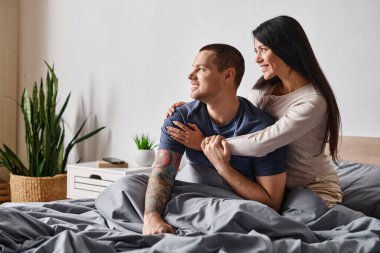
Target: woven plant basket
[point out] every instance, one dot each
(38, 189)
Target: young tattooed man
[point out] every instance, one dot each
(216, 110)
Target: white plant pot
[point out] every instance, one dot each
(145, 157)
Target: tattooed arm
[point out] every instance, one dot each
(158, 192)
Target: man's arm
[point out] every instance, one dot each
(268, 190)
(158, 191)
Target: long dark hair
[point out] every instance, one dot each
(287, 39)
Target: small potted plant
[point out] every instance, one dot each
(145, 154)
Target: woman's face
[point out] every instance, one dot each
(271, 65)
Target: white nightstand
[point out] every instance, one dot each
(85, 180)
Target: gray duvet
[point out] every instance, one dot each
(207, 219)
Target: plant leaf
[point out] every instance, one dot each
(14, 159)
(58, 118)
(89, 135)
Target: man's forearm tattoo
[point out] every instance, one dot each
(161, 181)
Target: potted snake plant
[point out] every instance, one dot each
(44, 177)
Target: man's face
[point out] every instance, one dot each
(206, 79)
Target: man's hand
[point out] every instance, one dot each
(153, 224)
(217, 151)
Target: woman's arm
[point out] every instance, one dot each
(268, 190)
(299, 120)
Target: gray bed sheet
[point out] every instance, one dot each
(360, 184)
(207, 219)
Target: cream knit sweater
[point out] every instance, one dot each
(300, 124)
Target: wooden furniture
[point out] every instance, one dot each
(4, 192)
(85, 180)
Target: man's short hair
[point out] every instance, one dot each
(228, 57)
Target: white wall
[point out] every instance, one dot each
(126, 61)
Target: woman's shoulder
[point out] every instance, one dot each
(309, 95)
(307, 101)
(312, 94)
(256, 95)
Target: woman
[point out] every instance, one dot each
(294, 90)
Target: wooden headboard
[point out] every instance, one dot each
(360, 149)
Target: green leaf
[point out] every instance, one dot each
(60, 151)
(12, 158)
(42, 105)
(40, 170)
(26, 107)
(75, 141)
(89, 135)
(4, 159)
(35, 104)
(79, 131)
(58, 118)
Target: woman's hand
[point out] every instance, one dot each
(190, 137)
(172, 108)
(217, 151)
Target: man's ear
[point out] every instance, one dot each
(230, 74)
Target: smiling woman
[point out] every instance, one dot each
(294, 90)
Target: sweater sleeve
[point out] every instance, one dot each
(299, 120)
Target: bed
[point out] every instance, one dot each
(207, 218)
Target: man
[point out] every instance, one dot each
(217, 110)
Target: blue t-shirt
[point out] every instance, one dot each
(248, 119)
